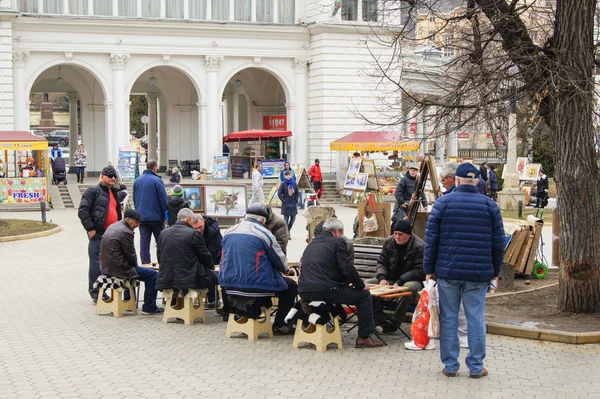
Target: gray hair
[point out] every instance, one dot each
(332, 225)
(188, 213)
(467, 180)
(449, 168)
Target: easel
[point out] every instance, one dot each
(427, 169)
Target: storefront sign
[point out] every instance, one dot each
(220, 170)
(23, 190)
(272, 167)
(23, 145)
(275, 122)
(128, 164)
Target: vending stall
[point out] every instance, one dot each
(24, 168)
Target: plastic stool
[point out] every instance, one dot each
(184, 308)
(251, 327)
(116, 304)
(318, 335)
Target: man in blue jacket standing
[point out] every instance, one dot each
(150, 200)
(464, 248)
(251, 267)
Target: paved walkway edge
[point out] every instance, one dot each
(543, 335)
(39, 234)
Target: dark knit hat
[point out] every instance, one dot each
(403, 226)
(133, 214)
(177, 191)
(109, 171)
(258, 210)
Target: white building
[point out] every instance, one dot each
(207, 67)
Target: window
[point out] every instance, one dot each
(103, 7)
(369, 10)
(287, 10)
(349, 10)
(27, 5)
(264, 10)
(198, 9)
(128, 8)
(151, 8)
(53, 7)
(220, 10)
(432, 18)
(174, 9)
(78, 7)
(243, 10)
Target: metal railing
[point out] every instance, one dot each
(480, 155)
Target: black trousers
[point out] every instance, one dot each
(94, 271)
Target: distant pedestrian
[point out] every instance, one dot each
(482, 186)
(150, 200)
(175, 177)
(258, 196)
(288, 194)
(317, 177)
(99, 208)
(55, 152)
(493, 183)
(404, 192)
(80, 163)
(464, 248)
(483, 171)
(542, 190)
(286, 167)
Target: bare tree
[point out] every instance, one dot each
(542, 52)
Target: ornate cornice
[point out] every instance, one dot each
(299, 64)
(152, 98)
(118, 61)
(73, 97)
(20, 58)
(212, 63)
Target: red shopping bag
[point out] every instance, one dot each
(420, 326)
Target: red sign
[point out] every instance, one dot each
(413, 126)
(275, 122)
(463, 135)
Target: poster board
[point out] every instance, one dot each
(368, 167)
(522, 167)
(532, 171)
(128, 163)
(271, 168)
(273, 199)
(220, 169)
(225, 201)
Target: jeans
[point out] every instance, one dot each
(350, 296)
(80, 171)
(94, 271)
(148, 276)
(147, 230)
(289, 220)
(402, 303)
(473, 296)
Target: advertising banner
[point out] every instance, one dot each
(271, 168)
(220, 170)
(128, 164)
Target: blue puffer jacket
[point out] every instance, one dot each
(150, 197)
(493, 180)
(252, 259)
(464, 237)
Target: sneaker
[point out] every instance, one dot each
(484, 372)
(153, 312)
(447, 374)
(282, 330)
(412, 347)
(368, 342)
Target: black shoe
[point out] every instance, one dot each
(153, 312)
(387, 328)
(283, 330)
(225, 316)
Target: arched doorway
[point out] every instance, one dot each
(170, 98)
(254, 98)
(69, 98)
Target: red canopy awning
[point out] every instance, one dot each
(256, 134)
(374, 141)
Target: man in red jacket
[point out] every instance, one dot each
(317, 178)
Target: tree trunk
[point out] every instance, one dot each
(576, 173)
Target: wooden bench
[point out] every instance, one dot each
(365, 260)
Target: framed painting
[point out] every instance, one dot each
(522, 167)
(369, 168)
(225, 201)
(350, 181)
(532, 171)
(193, 196)
(361, 181)
(354, 166)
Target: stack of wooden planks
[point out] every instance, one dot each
(521, 250)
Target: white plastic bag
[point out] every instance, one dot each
(434, 308)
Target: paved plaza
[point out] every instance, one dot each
(53, 345)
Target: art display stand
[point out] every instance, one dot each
(426, 170)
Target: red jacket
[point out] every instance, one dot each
(315, 172)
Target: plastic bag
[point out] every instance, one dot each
(434, 308)
(370, 224)
(420, 326)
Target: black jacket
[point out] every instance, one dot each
(483, 172)
(213, 239)
(412, 263)
(184, 259)
(117, 251)
(405, 190)
(326, 263)
(174, 205)
(542, 186)
(278, 227)
(94, 207)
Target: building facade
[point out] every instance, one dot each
(206, 67)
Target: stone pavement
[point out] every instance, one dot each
(53, 345)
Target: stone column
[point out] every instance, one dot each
(110, 154)
(208, 10)
(90, 10)
(120, 132)
(231, 9)
(73, 129)
(203, 132)
(236, 110)
(152, 101)
(300, 134)
(359, 10)
(163, 8)
(115, 8)
(511, 194)
(138, 9)
(290, 110)
(65, 7)
(40, 6)
(186, 9)
(214, 133)
(21, 118)
(162, 136)
(275, 11)
(253, 11)
(224, 112)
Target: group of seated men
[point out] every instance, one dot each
(253, 267)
